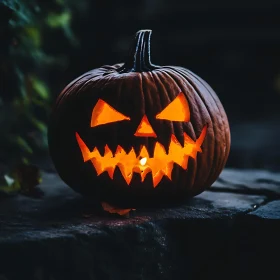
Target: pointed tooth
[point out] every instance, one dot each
(181, 139)
(174, 147)
(200, 139)
(86, 153)
(168, 170)
(131, 158)
(175, 140)
(132, 153)
(96, 153)
(188, 139)
(144, 152)
(193, 154)
(110, 171)
(128, 179)
(160, 150)
(107, 152)
(157, 178)
(199, 150)
(164, 141)
(184, 164)
(98, 166)
(120, 150)
(188, 148)
(176, 151)
(126, 172)
(144, 173)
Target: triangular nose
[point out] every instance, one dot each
(145, 129)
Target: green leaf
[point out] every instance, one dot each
(28, 176)
(25, 160)
(39, 124)
(23, 144)
(21, 11)
(59, 20)
(9, 180)
(40, 87)
(33, 35)
(9, 185)
(23, 178)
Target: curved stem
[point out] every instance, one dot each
(139, 58)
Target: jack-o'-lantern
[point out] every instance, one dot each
(138, 134)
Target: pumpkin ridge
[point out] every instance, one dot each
(116, 130)
(191, 183)
(160, 77)
(226, 139)
(171, 98)
(180, 71)
(69, 88)
(161, 88)
(181, 124)
(195, 90)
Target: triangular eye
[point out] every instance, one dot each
(103, 113)
(178, 110)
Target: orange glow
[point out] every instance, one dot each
(145, 129)
(114, 210)
(143, 161)
(161, 164)
(103, 113)
(177, 110)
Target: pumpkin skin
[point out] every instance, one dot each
(138, 89)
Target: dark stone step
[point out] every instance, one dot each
(229, 232)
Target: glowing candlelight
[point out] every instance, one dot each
(143, 161)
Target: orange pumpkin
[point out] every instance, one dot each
(137, 134)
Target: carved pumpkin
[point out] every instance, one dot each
(137, 134)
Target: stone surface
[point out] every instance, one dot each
(269, 211)
(250, 181)
(216, 234)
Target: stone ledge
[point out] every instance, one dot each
(221, 233)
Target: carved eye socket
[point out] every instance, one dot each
(178, 110)
(103, 113)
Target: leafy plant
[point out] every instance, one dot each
(27, 69)
(31, 33)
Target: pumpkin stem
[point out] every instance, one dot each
(139, 58)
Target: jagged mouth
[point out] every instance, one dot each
(161, 164)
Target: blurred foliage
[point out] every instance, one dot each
(29, 30)
(22, 179)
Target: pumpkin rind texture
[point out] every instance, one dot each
(137, 134)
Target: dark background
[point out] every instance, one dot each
(233, 45)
